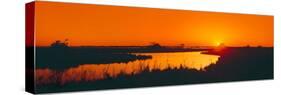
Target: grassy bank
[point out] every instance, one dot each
(235, 64)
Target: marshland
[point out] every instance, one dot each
(87, 68)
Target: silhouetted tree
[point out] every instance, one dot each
(154, 45)
(247, 46)
(59, 44)
(181, 46)
(259, 46)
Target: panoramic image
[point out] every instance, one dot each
(93, 47)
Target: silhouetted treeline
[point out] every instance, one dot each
(62, 58)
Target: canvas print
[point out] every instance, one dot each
(77, 47)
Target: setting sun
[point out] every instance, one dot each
(218, 44)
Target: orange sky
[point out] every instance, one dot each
(99, 25)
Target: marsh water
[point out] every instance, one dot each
(159, 61)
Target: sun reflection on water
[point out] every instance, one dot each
(159, 61)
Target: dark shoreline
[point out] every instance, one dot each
(235, 64)
(62, 58)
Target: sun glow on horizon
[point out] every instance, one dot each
(97, 25)
(218, 43)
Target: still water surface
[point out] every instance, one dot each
(159, 61)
